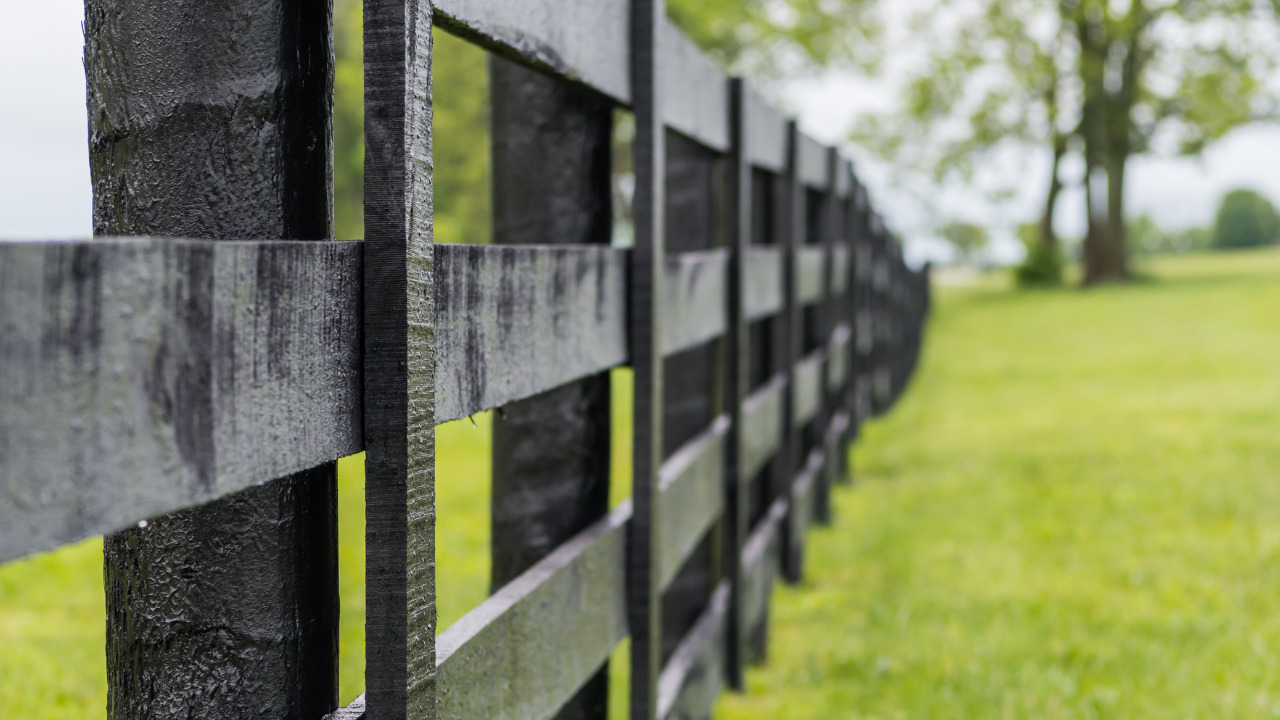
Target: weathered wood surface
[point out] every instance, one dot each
(138, 377)
(690, 498)
(810, 270)
(762, 282)
(844, 178)
(581, 40)
(528, 648)
(695, 674)
(354, 711)
(807, 398)
(803, 490)
(644, 595)
(766, 134)
(694, 305)
(400, 363)
(695, 93)
(811, 157)
(762, 426)
(499, 306)
(761, 557)
(839, 268)
(838, 368)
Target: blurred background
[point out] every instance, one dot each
(1074, 513)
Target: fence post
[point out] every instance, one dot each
(229, 609)
(399, 363)
(644, 610)
(791, 341)
(828, 318)
(551, 184)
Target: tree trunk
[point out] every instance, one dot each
(1116, 265)
(1047, 235)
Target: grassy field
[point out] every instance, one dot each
(1072, 514)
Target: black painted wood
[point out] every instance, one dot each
(763, 284)
(143, 376)
(234, 146)
(643, 606)
(766, 138)
(792, 224)
(400, 625)
(695, 304)
(695, 93)
(690, 498)
(695, 674)
(551, 184)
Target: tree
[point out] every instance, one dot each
(1245, 219)
(1106, 79)
(968, 239)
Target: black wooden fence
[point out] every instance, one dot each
(210, 383)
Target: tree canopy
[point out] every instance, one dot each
(1245, 219)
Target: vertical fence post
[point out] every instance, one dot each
(791, 341)
(551, 184)
(738, 367)
(399, 401)
(644, 598)
(828, 319)
(229, 609)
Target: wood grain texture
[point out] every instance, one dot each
(690, 498)
(695, 93)
(581, 40)
(762, 426)
(695, 674)
(810, 274)
(766, 134)
(811, 157)
(141, 376)
(647, 289)
(695, 303)
(530, 646)
(400, 362)
(500, 306)
(762, 282)
(806, 400)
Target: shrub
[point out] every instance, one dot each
(1042, 266)
(1245, 219)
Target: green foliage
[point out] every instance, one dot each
(968, 239)
(1245, 219)
(1042, 266)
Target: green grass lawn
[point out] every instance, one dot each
(1073, 513)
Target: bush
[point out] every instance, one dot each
(1042, 266)
(1245, 219)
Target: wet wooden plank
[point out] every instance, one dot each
(837, 369)
(354, 711)
(581, 40)
(141, 376)
(762, 426)
(762, 284)
(690, 498)
(521, 654)
(811, 159)
(695, 93)
(810, 269)
(807, 398)
(694, 305)
(695, 674)
(766, 134)
(500, 306)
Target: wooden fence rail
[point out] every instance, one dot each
(188, 397)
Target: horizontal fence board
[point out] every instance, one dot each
(864, 322)
(762, 288)
(761, 558)
(839, 269)
(838, 368)
(354, 711)
(695, 299)
(844, 177)
(524, 652)
(695, 674)
(517, 320)
(811, 157)
(695, 93)
(690, 498)
(581, 40)
(803, 488)
(810, 269)
(761, 426)
(141, 376)
(766, 134)
(807, 397)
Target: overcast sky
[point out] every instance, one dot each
(44, 175)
